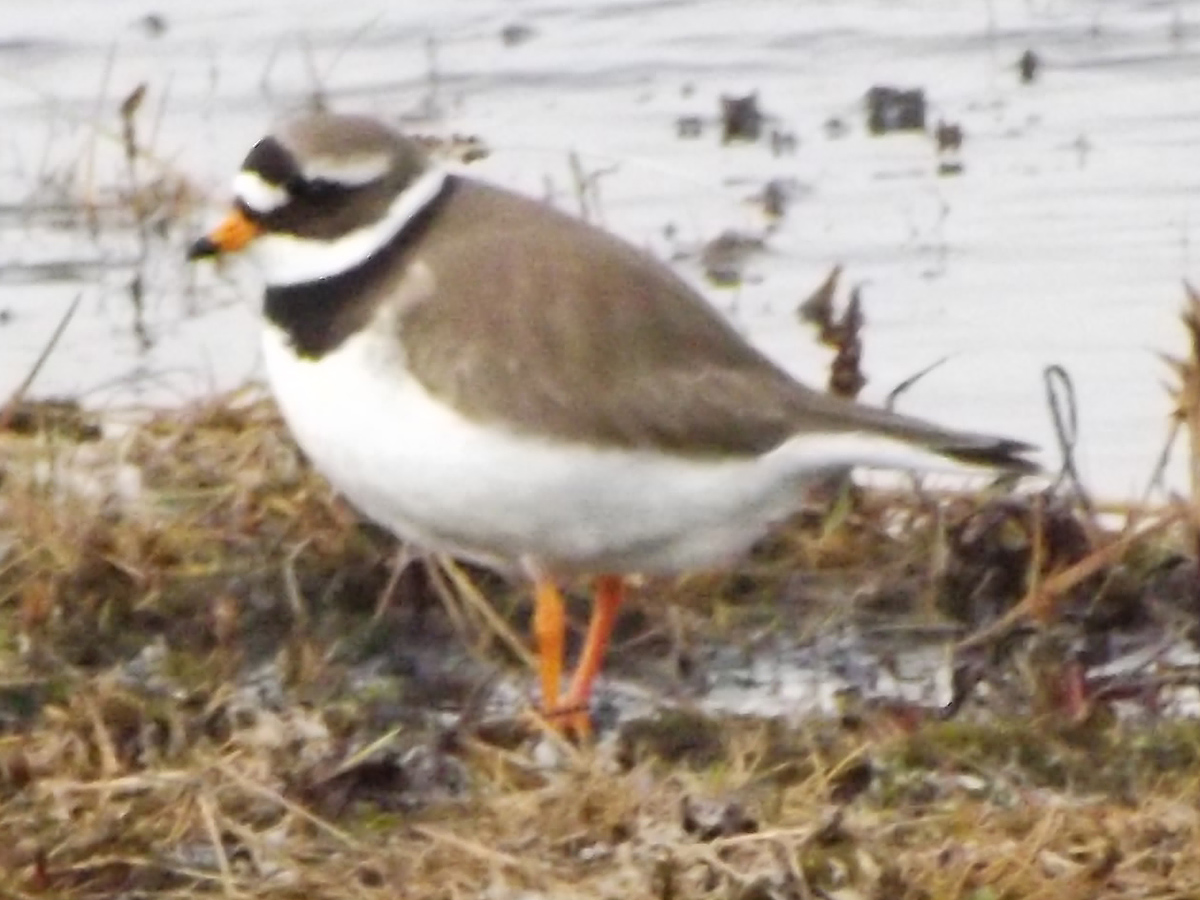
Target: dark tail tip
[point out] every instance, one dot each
(999, 453)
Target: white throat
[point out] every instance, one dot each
(286, 259)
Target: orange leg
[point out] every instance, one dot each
(610, 591)
(549, 627)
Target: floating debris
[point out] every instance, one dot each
(689, 127)
(775, 197)
(1028, 66)
(892, 109)
(153, 25)
(948, 136)
(741, 118)
(835, 127)
(783, 142)
(724, 257)
(517, 33)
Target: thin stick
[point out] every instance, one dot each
(208, 817)
(19, 394)
(470, 593)
(1158, 475)
(895, 393)
(292, 587)
(475, 849)
(403, 559)
(294, 808)
(1064, 413)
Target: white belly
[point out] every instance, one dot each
(511, 501)
(453, 485)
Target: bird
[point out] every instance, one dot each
(494, 379)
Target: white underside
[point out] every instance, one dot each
(510, 501)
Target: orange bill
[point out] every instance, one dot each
(234, 233)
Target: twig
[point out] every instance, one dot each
(1158, 473)
(1064, 413)
(90, 159)
(366, 752)
(317, 99)
(18, 395)
(474, 848)
(470, 593)
(908, 382)
(214, 835)
(817, 309)
(106, 749)
(129, 141)
(400, 562)
(355, 36)
(292, 588)
(432, 107)
(841, 333)
(587, 187)
(295, 808)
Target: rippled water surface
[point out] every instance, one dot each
(1065, 239)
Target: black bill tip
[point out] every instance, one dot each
(204, 248)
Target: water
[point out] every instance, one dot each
(1065, 240)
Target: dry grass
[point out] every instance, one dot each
(268, 808)
(196, 643)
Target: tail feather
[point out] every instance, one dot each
(969, 448)
(996, 453)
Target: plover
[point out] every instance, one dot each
(492, 378)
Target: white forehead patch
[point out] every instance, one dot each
(351, 171)
(258, 193)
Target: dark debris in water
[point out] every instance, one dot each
(153, 24)
(948, 136)
(741, 118)
(689, 127)
(1028, 66)
(891, 109)
(517, 33)
(724, 257)
(776, 197)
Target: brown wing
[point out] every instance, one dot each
(556, 328)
